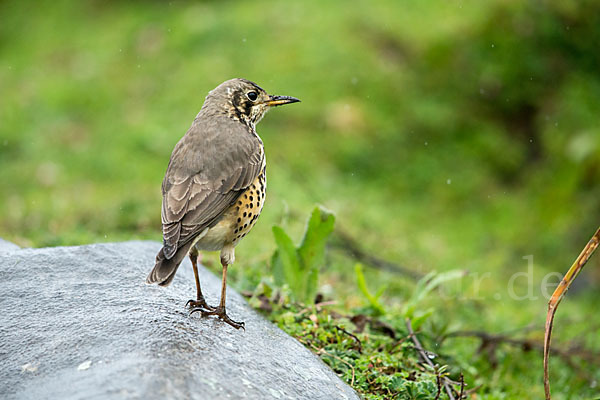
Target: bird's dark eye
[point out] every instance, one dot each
(252, 96)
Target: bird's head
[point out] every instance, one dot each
(244, 100)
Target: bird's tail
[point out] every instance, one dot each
(165, 269)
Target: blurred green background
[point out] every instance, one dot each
(443, 134)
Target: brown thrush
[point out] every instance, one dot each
(214, 187)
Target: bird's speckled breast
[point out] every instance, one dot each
(238, 219)
(248, 208)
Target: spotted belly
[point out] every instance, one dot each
(238, 219)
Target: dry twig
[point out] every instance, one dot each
(425, 358)
(557, 296)
(353, 336)
(462, 387)
(438, 381)
(490, 342)
(349, 245)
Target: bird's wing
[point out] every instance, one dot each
(209, 168)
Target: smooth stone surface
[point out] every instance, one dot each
(80, 323)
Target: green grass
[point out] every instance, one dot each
(443, 135)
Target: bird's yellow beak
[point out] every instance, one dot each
(281, 100)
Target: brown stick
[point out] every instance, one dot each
(344, 242)
(557, 296)
(353, 336)
(462, 387)
(491, 339)
(438, 382)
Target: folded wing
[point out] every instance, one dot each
(209, 168)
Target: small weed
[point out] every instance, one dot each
(425, 286)
(375, 306)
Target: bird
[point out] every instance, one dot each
(215, 185)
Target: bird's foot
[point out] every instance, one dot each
(219, 312)
(200, 303)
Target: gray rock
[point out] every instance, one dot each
(6, 246)
(80, 323)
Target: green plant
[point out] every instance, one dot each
(424, 286)
(373, 299)
(298, 267)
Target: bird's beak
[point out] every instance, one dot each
(280, 100)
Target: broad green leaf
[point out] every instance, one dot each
(288, 257)
(318, 229)
(299, 267)
(312, 282)
(312, 249)
(277, 269)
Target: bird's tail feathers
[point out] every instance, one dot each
(165, 269)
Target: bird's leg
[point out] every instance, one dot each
(199, 302)
(220, 310)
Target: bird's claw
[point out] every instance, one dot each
(219, 312)
(200, 303)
